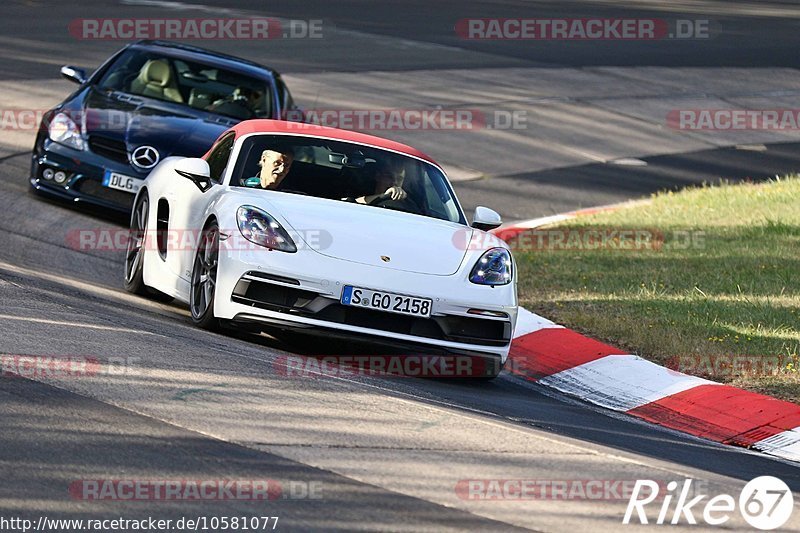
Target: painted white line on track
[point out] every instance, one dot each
(439, 405)
(76, 325)
(118, 295)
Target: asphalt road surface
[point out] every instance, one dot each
(169, 402)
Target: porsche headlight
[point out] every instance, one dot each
(259, 227)
(493, 268)
(63, 130)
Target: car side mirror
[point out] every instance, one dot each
(74, 74)
(195, 170)
(485, 219)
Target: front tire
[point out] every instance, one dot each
(204, 279)
(134, 255)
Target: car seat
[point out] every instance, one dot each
(155, 79)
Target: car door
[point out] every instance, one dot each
(188, 207)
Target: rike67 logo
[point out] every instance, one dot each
(765, 503)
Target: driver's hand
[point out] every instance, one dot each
(395, 193)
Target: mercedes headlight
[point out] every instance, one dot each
(63, 130)
(259, 227)
(493, 268)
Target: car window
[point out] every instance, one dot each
(350, 172)
(189, 83)
(218, 158)
(285, 97)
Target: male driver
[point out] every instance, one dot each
(241, 103)
(275, 166)
(388, 184)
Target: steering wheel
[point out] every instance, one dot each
(378, 200)
(386, 197)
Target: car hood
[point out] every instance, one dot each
(371, 235)
(169, 128)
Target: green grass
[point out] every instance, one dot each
(699, 307)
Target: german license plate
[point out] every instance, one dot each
(386, 301)
(121, 182)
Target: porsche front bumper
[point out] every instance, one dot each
(290, 293)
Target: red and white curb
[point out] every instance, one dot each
(509, 231)
(562, 359)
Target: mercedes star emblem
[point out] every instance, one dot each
(145, 157)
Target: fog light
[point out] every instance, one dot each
(48, 173)
(60, 176)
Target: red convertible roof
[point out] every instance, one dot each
(281, 126)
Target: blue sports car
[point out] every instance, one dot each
(150, 100)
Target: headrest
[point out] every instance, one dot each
(156, 71)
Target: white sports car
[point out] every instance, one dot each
(293, 226)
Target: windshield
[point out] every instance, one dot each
(188, 83)
(347, 172)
